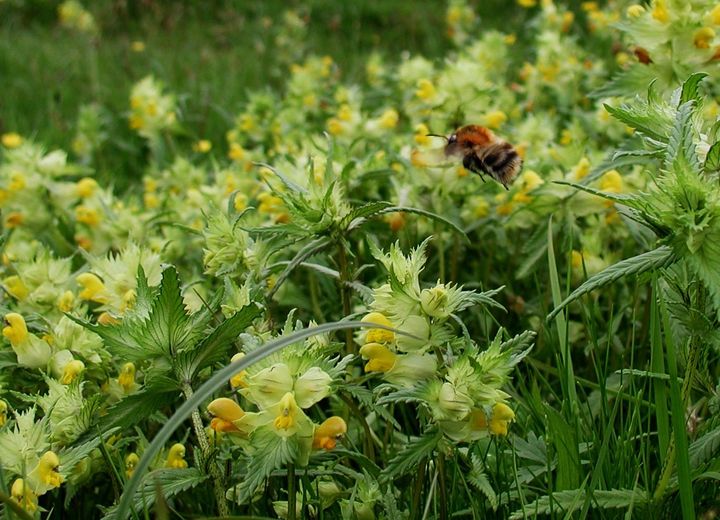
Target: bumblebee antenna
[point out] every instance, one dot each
(438, 135)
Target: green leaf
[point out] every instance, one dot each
(572, 500)
(170, 481)
(478, 478)
(690, 89)
(135, 408)
(214, 347)
(358, 216)
(680, 151)
(414, 451)
(635, 79)
(712, 160)
(564, 439)
(649, 118)
(167, 325)
(705, 448)
(655, 259)
(628, 200)
(272, 453)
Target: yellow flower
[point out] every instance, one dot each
(505, 209)
(48, 470)
(131, 462)
(17, 181)
(136, 122)
(582, 168)
(426, 90)
(345, 113)
(715, 15)
(71, 371)
(502, 415)
(86, 187)
(495, 119)
(11, 140)
(531, 180)
(378, 335)
(225, 412)
(107, 319)
(151, 200)
(660, 11)
(510, 39)
(576, 259)
(238, 380)
(14, 219)
(236, 152)
(589, 6)
(327, 434)
(24, 496)
(335, 126)
(612, 182)
(137, 46)
(288, 409)
(380, 358)
(88, 216)
(93, 288)
(126, 379)
(634, 11)
(202, 146)
(703, 37)
(527, 4)
(389, 119)
(176, 457)
(65, 301)
(16, 331)
(15, 286)
(567, 20)
(3, 412)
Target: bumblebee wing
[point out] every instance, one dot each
(501, 161)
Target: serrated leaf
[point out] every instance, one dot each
(712, 160)
(214, 347)
(478, 478)
(414, 451)
(646, 118)
(170, 481)
(635, 79)
(691, 88)
(272, 452)
(359, 216)
(572, 500)
(655, 259)
(681, 143)
(167, 324)
(705, 448)
(134, 408)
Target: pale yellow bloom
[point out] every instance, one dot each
(176, 457)
(202, 146)
(126, 379)
(93, 288)
(378, 335)
(131, 462)
(86, 187)
(24, 496)
(703, 37)
(634, 11)
(502, 415)
(71, 371)
(16, 331)
(495, 119)
(288, 410)
(15, 286)
(11, 140)
(380, 358)
(327, 434)
(48, 469)
(425, 90)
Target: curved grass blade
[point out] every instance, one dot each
(208, 388)
(428, 214)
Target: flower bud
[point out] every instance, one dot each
(454, 405)
(434, 301)
(327, 434)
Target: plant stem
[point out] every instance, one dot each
(442, 486)
(417, 490)
(214, 469)
(291, 490)
(345, 295)
(368, 448)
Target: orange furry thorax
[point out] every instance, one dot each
(474, 135)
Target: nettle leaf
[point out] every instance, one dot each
(415, 451)
(573, 500)
(158, 485)
(655, 259)
(691, 88)
(478, 478)
(712, 160)
(705, 448)
(358, 216)
(650, 119)
(681, 144)
(214, 348)
(168, 324)
(272, 452)
(634, 79)
(135, 408)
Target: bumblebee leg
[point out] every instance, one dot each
(475, 165)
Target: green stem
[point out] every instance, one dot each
(416, 506)
(368, 448)
(291, 490)
(15, 507)
(345, 295)
(442, 486)
(214, 469)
